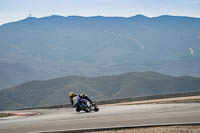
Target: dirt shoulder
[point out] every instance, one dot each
(167, 129)
(189, 99)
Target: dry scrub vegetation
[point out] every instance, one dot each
(5, 114)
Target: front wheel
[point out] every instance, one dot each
(78, 109)
(96, 109)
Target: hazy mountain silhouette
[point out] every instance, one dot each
(55, 46)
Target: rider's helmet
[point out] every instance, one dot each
(72, 94)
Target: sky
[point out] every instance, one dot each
(14, 10)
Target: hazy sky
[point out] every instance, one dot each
(13, 10)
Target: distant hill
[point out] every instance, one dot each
(8, 104)
(53, 92)
(12, 73)
(56, 46)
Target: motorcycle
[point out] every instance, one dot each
(83, 104)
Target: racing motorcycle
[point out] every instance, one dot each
(83, 104)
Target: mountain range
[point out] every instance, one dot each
(127, 85)
(56, 46)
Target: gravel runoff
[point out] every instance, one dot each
(167, 129)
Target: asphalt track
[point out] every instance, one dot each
(108, 116)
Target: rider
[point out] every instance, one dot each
(72, 95)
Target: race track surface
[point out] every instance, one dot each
(109, 115)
